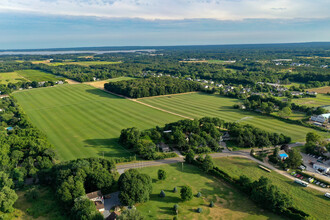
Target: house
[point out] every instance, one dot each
(311, 93)
(1, 109)
(219, 85)
(206, 87)
(163, 147)
(60, 82)
(282, 155)
(98, 200)
(324, 118)
(114, 215)
(321, 167)
(297, 93)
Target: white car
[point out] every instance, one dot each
(327, 195)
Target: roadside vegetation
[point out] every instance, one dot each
(301, 197)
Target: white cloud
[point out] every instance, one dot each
(173, 9)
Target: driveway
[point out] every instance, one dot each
(111, 202)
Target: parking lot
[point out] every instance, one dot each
(308, 160)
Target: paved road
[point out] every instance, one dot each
(243, 153)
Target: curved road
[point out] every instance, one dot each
(245, 154)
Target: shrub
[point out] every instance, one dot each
(176, 207)
(161, 174)
(175, 189)
(186, 193)
(32, 194)
(199, 210)
(162, 194)
(199, 194)
(211, 204)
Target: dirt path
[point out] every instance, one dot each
(163, 110)
(72, 82)
(151, 97)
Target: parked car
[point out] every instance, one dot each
(327, 195)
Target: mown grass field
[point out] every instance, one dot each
(319, 100)
(10, 77)
(196, 105)
(229, 203)
(308, 200)
(82, 121)
(37, 75)
(83, 63)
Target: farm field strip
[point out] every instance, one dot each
(37, 75)
(82, 121)
(319, 100)
(199, 105)
(10, 77)
(301, 196)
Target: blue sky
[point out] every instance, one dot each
(26, 24)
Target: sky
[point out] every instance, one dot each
(30, 24)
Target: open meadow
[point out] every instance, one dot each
(82, 121)
(10, 77)
(37, 75)
(319, 100)
(197, 105)
(229, 202)
(82, 63)
(305, 199)
(322, 90)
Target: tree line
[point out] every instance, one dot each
(200, 136)
(24, 151)
(152, 86)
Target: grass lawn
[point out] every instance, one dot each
(11, 77)
(82, 121)
(229, 203)
(197, 105)
(45, 207)
(37, 75)
(319, 100)
(83, 63)
(308, 200)
(292, 84)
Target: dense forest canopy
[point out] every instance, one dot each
(152, 86)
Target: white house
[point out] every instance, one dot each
(321, 118)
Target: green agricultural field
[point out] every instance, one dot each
(197, 105)
(11, 77)
(83, 121)
(37, 75)
(319, 100)
(308, 200)
(229, 203)
(83, 63)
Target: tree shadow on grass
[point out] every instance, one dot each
(167, 210)
(167, 199)
(102, 93)
(108, 147)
